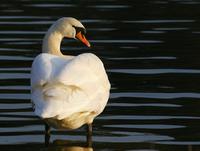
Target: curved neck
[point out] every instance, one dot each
(51, 42)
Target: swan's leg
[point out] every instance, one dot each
(47, 134)
(89, 135)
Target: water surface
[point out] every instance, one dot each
(151, 52)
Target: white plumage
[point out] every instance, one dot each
(67, 91)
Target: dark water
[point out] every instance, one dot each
(151, 51)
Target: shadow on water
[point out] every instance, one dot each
(151, 52)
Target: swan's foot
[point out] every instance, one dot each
(89, 135)
(47, 134)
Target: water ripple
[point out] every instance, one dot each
(155, 95)
(155, 71)
(159, 21)
(145, 126)
(127, 41)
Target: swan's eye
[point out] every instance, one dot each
(80, 29)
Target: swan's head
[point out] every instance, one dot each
(71, 28)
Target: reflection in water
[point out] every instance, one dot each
(65, 145)
(70, 148)
(73, 148)
(153, 61)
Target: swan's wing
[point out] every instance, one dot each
(40, 73)
(86, 71)
(45, 67)
(80, 84)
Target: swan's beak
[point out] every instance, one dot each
(82, 38)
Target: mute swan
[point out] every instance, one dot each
(67, 91)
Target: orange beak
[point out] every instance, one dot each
(82, 38)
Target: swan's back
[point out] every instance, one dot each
(62, 87)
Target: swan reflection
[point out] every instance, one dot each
(67, 145)
(73, 148)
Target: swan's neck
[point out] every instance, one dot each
(51, 42)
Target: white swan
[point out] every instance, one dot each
(67, 91)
